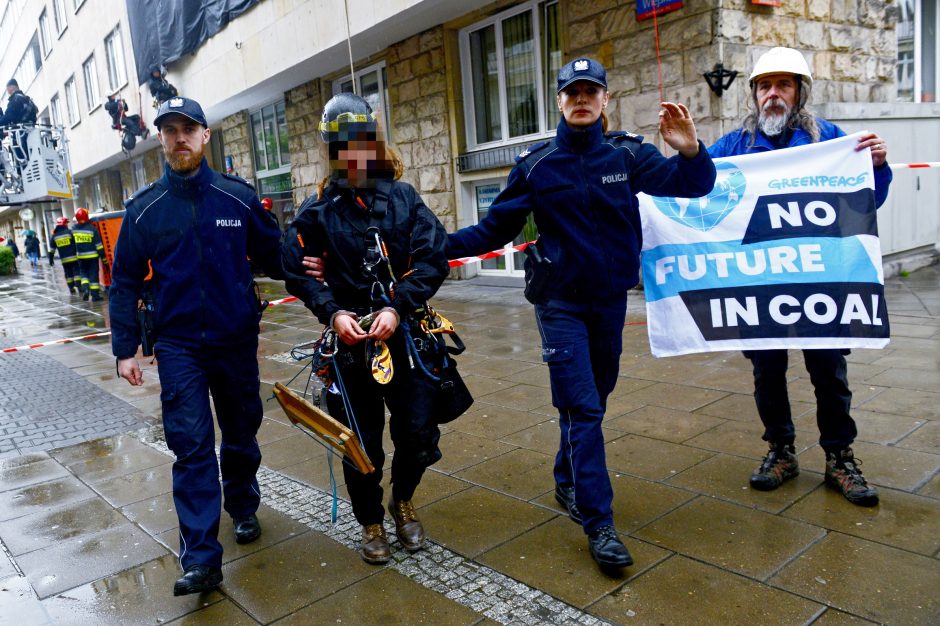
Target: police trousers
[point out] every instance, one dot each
(188, 374)
(582, 343)
(410, 397)
(829, 375)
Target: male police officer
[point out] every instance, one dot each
(64, 243)
(780, 88)
(196, 228)
(20, 109)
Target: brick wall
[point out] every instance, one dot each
(303, 107)
(418, 100)
(237, 143)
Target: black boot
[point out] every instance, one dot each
(607, 549)
(247, 529)
(197, 579)
(565, 497)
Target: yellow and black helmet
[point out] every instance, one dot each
(347, 117)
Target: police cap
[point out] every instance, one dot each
(582, 69)
(187, 107)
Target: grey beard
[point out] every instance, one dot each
(773, 124)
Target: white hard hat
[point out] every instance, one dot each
(781, 60)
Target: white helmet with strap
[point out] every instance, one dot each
(781, 60)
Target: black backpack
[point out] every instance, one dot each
(30, 111)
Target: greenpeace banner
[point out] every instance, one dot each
(783, 253)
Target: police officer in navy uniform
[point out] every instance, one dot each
(581, 189)
(196, 228)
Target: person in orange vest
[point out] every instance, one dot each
(88, 249)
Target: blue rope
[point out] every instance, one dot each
(335, 509)
(347, 404)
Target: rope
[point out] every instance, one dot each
(659, 63)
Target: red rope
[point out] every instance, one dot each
(659, 63)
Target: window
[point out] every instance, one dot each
(29, 64)
(509, 63)
(58, 14)
(55, 110)
(269, 139)
(44, 38)
(90, 73)
(918, 69)
(372, 85)
(138, 173)
(76, 4)
(95, 196)
(71, 102)
(114, 51)
(483, 195)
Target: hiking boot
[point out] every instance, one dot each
(607, 549)
(778, 466)
(843, 474)
(375, 548)
(407, 525)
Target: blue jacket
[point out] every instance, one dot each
(581, 189)
(738, 142)
(197, 234)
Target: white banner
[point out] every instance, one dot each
(783, 253)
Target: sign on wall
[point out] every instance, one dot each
(646, 9)
(783, 253)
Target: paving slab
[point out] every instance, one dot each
(690, 592)
(554, 557)
(735, 538)
(867, 579)
(475, 520)
(384, 598)
(900, 520)
(138, 595)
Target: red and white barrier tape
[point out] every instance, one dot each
(914, 166)
(454, 263)
(489, 255)
(50, 343)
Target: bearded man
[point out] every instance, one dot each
(196, 229)
(781, 84)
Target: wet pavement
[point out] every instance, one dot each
(89, 533)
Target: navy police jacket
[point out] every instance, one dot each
(581, 189)
(196, 233)
(337, 225)
(739, 142)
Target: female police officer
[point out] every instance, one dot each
(374, 230)
(580, 187)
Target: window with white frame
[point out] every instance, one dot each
(45, 39)
(30, 63)
(71, 102)
(58, 15)
(372, 84)
(270, 146)
(95, 197)
(918, 70)
(90, 74)
(114, 51)
(508, 65)
(55, 110)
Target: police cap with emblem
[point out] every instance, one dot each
(187, 107)
(582, 69)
